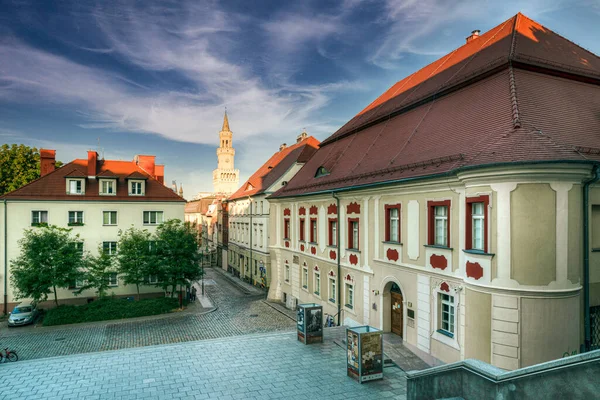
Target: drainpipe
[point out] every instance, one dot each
(250, 200)
(339, 268)
(586, 256)
(5, 260)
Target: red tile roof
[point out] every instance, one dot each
(276, 166)
(53, 185)
(518, 93)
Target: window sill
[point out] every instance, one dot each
(332, 301)
(317, 294)
(354, 250)
(595, 250)
(305, 287)
(75, 194)
(435, 246)
(479, 252)
(75, 224)
(39, 224)
(156, 224)
(349, 307)
(287, 281)
(109, 224)
(133, 194)
(313, 243)
(445, 333)
(301, 241)
(391, 242)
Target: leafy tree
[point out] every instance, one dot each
(19, 165)
(50, 258)
(97, 272)
(177, 251)
(135, 256)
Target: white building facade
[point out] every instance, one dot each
(96, 199)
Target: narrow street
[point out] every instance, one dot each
(237, 313)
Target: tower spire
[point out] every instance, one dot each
(225, 123)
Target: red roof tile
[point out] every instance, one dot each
(53, 187)
(276, 166)
(500, 113)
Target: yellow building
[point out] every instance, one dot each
(95, 198)
(460, 210)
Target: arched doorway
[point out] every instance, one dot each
(397, 310)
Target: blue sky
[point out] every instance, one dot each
(154, 77)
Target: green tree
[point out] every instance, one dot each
(50, 258)
(177, 251)
(135, 257)
(97, 272)
(19, 165)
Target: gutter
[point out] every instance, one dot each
(339, 267)
(586, 257)
(433, 176)
(5, 259)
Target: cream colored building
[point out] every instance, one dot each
(248, 211)
(225, 178)
(460, 210)
(96, 199)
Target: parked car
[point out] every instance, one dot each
(23, 314)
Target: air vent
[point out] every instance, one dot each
(284, 183)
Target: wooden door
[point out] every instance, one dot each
(397, 313)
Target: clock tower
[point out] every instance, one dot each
(225, 178)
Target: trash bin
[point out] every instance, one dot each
(365, 353)
(310, 323)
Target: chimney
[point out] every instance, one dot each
(160, 173)
(92, 164)
(283, 146)
(47, 161)
(301, 137)
(147, 164)
(474, 35)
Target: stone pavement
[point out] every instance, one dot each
(237, 314)
(263, 366)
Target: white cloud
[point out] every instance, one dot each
(412, 25)
(181, 40)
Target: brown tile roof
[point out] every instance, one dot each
(276, 166)
(52, 186)
(199, 206)
(470, 108)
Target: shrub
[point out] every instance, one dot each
(108, 309)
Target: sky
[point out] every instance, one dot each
(155, 76)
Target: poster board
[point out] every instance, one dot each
(364, 353)
(309, 323)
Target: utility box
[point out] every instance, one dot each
(309, 320)
(365, 353)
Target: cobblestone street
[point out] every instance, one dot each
(263, 366)
(237, 313)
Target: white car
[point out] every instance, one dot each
(23, 314)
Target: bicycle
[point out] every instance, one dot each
(9, 355)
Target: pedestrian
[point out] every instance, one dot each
(194, 293)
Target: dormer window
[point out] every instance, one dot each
(136, 184)
(75, 186)
(136, 188)
(108, 187)
(321, 171)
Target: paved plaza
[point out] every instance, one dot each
(262, 366)
(238, 312)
